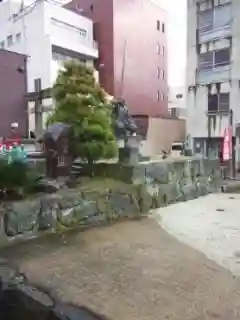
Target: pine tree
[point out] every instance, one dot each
(81, 103)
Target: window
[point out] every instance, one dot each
(179, 96)
(83, 33)
(9, 40)
(222, 57)
(162, 51)
(160, 73)
(158, 24)
(68, 26)
(214, 59)
(218, 103)
(18, 37)
(223, 102)
(216, 18)
(2, 45)
(163, 28)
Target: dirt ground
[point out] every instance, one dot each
(131, 271)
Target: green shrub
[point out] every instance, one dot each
(17, 178)
(80, 102)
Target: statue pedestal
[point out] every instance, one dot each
(129, 151)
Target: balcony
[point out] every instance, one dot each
(214, 23)
(211, 35)
(72, 38)
(70, 31)
(216, 74)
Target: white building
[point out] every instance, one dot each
(47, 34)
(177, 102)
(213, 72)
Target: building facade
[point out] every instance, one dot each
(213, 74)
(13, 88)
(177, 102)
(132, 60)
(47, 34)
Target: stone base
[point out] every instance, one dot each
(129, 153)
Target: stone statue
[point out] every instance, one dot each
(125, 129)
(57, 146)
(124, 125)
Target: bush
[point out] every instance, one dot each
(16, 179)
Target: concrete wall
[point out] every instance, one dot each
(161, 134)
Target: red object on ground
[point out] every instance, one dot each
(227, 144)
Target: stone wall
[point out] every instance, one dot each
(131, 193)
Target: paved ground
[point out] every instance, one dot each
(131, 271)
(210, 224)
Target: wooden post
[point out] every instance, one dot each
(38, 108)
(37, 97)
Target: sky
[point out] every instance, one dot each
(177, 28)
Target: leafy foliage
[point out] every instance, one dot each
(81, 103)
(17, 179)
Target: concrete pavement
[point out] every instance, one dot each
(210, 224)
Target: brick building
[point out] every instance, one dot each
(13, 88)
(132, 60)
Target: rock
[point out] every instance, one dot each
(21, 216)
(20, 300)
(158, 172)
(70, 198)
(49, 212)
(9, 275)
(73, 215)
(67, 312)
(24, 302)
(189, 192)
(49, 186)
(121, 205)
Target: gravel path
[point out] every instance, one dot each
(131, 271)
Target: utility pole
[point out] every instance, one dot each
(123, 67)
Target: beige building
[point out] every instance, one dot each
(177, 102)
(213, 73)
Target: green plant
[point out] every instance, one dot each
(16, 179)
(81, 103)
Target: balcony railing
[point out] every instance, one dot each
(213, 74)
(207, 33)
